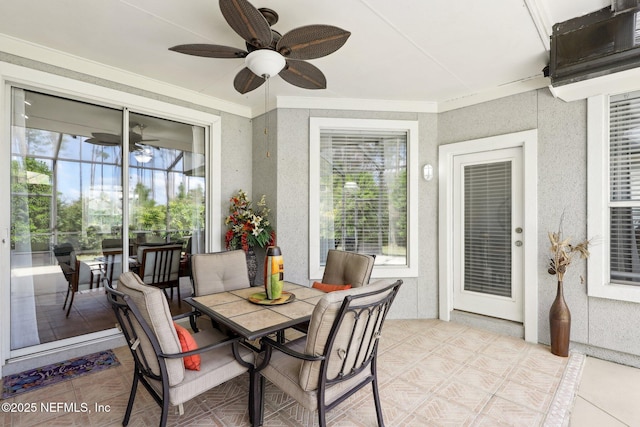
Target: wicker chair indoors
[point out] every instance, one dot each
(338, 355)
(143, 314)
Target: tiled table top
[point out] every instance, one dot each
(252, 321)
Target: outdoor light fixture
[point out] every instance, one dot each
(427, 172)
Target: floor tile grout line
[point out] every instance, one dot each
(559, 413)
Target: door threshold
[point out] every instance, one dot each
(492, 324)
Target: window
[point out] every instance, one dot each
(614, 196)
(363, 179)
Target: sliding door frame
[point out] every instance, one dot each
(16, 76)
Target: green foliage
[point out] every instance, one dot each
(31, 208)
(30, 203)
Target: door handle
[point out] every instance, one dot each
(518, 243)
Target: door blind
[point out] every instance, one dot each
(487, 228)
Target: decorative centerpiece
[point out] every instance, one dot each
(559, 315)
(273, 273)
(247, 228)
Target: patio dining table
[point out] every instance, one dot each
(254, 320)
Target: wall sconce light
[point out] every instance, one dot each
(427, 172)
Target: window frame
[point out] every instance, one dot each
(316, 125)
(599, 282)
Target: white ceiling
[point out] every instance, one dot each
(402, 50)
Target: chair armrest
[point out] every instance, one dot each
(182, 315)
(66, 269)
(286, 350)
(213, 346)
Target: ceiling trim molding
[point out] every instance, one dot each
(540, 19)
(611, 84)
(70, 62)
(356, 104)
(527, 85)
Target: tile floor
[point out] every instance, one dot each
(431, 373)
(90, 312)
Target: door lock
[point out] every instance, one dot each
(519, 230)
(518, 243)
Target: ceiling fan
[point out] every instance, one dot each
(143, 152)
(268, 52)
(112, 139)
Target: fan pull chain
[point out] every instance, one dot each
(267, 121)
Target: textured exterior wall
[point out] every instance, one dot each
(265, 176)
(601, 327)
(418, 297)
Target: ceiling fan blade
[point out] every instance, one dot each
(102, 138)
(96, 141)
(247, 21)
(209, 50)
(312, 41)
(246, 81)
(304, 75)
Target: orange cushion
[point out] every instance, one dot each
(325, 287)
(188, 343)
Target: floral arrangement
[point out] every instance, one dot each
(247, 227)
(563, 252)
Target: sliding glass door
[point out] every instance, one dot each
(68, 215)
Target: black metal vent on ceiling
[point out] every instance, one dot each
(595, 45)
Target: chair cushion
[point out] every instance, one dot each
(347, 267)
(320, 325)
(154, 308)
(187, 343)
(284, 372)
(219, 272)
(217, 366)
(325, 287)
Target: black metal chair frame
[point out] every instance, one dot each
(110, 256)
(377, 313)
(128, 315)
(73, 283)
(161, 268)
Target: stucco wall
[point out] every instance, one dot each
(418, 297)
(600, 327)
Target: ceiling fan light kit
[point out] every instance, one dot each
(268, 53)
(265, 62)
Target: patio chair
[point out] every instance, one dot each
(347, 268)
(112, 264)
(217, 272)
(83, 275)
(337, 357)
(159, 266)
(66, 257)
(143, 315)
(343, 270)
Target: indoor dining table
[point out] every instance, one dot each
(257, 319)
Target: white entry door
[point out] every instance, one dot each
(488, 232)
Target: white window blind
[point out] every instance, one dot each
(363, 193)
(624, 188)
(487, 228)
